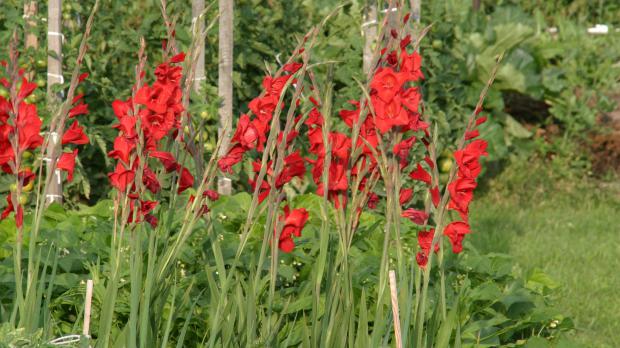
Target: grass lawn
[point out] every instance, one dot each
(572, 232)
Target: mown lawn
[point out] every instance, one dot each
(572, 232)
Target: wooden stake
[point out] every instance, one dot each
(225, 84)
(369, 28)
(395, 315)
(87, 307)
(197, 7)
(54, 76)
(30, 13)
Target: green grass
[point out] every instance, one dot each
(571, 231)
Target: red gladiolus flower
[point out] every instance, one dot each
(389, 114)
(246, 134)
(294, 222)
(66, 162)
(122, 177)
(456, 231)
(26, 89)
(405, 195)
(314, 118)
(421, 175)
(122, 149)
(274, 86)
(75, 135)
(373, 200)
(28, 126)
(143, 213)
(263, 107)
(149, 178)
(293, 167)
(234, 156)
(468, 159)
(127, 126)
(418, 217)
(421, 259)
(341, 145)
(435, 196)
(425, 240)
(178, 58)
(292, 67)
(186, 180)
(10, 208)
(387, 83)
(415, 123)
(121, 108)
(350, 116)
(461, 194)
(80, 109)
(402, 149)
(166, 159)
(472, 134)
(411, 99)
(411, 64)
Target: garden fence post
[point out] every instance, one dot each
(225, 84)
(197, 7)
(369, 28)
(54, 76)
(395, 310)
(475, 5)
(32, 41)
(415, 10)
(87, 308)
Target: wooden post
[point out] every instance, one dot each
(85, 338)
(54, 76)
(475, 5)
(30, 12)
(225, 87)
(197, 7)
(32, 41)
(415, 10)
(87, 308)
(369, 28)
(395, 310)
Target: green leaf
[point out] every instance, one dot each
(515, 129)
(537, 342)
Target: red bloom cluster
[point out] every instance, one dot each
(153, 114)
(20, 131)
(461, 189)
(340, 146)
(251, 134)
(294, 222)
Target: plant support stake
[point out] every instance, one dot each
(225, 87)
(54, 76)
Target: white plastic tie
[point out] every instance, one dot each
(199, 78)
(55, 33)
(599, 29)
(393, 9)
(52, 196)
(54, 136)
(57, 76)
(58, 179)
(65, 340)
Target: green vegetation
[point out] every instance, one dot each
(569, 230)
